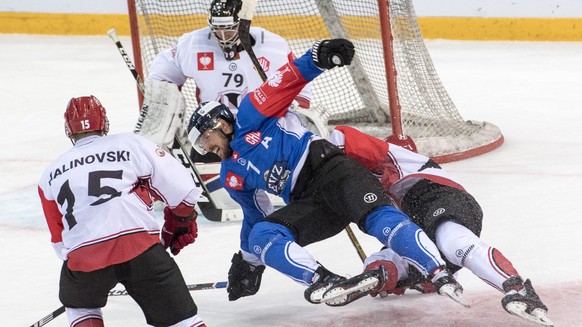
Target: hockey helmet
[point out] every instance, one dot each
(85, 114)
(223, 22)
(207, 117)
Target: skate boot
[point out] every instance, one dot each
(446, 284)
(415, 281)
(521, 300)
(391, 280)
(379, 276)
(323, 279)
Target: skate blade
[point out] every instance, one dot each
(537, 316)
(340, 295)
(449, 290)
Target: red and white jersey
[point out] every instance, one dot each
(397, 168)
(198, 56)
(98, 198)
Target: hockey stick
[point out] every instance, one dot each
(45, 320)
(192, 287)
(245, 16)
(210, 211)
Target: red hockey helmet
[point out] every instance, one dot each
(85, 114)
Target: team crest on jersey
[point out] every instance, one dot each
(205, 61)
(281, 76)
(234, 181)
(265, 63)
(253, 138)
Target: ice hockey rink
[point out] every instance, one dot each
(530, 188)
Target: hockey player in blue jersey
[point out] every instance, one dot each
(266, 149)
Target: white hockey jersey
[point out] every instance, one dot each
(198, 56)
(98, 198)
(397, 168)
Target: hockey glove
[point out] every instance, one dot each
(244, 279)
(178, 232)
(331, 53)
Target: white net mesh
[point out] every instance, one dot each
(356, 95)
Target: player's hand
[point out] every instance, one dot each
(178, 232)
(244, 279)
(331, 53)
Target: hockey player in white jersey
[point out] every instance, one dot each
(266, 149)
(215, 60)
(98, 202)
(451, 217)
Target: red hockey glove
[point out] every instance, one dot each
(178, 232)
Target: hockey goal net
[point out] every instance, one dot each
(357, 95)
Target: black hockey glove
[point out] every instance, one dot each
(331, 53)
(244, 279)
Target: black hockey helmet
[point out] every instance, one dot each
(223, 22)
(206, 117)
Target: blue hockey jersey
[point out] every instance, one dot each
(270, 144)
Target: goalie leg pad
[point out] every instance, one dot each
(162, 113)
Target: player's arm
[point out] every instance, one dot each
(303, 99)
(54, 220)
(275, 95)
(169, 179)
(172, 183)
(165, 67)
(246, 270)
(369, 151)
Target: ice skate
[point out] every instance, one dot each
(323, 280)
(380, 276)
(415, 281)
(445, 284)
(521, 300)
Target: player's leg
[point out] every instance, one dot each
(465, 249)
(359, 197)
(278, 243)
(84, 294)
(155, 282)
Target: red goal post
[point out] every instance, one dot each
(391, 86)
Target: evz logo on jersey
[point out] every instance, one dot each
(265, 63)
(277, 176)
(253, 138)
(234, 181)
(205, 61)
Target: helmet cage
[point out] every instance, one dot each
(85, 114)
(207, 117)
(223, 22)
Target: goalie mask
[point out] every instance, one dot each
(85, 114)
(223, 22)
(207, 117)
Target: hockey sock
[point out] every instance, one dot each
(394, 229)
(278, 250)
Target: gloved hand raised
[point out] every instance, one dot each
(178, 232)
(331, 53)
(244, 279)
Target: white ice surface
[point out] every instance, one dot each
(529, 188)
